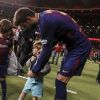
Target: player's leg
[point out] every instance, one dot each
(22, 96)
(68, 65)
(71, 65)
(61, 83)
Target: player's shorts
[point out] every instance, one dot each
(73, 63)
(35, 86)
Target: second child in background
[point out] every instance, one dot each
(6, 43)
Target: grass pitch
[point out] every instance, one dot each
(85, 86)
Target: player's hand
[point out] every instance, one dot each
(31, 74)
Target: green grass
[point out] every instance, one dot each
(85, 86)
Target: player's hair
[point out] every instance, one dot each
(21, 15)
(37, 45)
(5, 25)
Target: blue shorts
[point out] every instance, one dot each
(73, 63)
(35, 86)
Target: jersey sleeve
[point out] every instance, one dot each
(47, 35)
(45, 70)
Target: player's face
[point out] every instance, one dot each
(28, 24)
(25, 25)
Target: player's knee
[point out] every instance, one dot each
(63, 78)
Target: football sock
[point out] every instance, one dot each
(61, 93)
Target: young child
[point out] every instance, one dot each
(5, 46)
(35, 84)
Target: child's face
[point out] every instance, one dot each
(35, 51)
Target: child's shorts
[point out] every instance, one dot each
(34, 86)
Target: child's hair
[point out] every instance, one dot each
(37, 45)
(5, 25)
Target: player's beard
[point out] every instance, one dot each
(33, 26)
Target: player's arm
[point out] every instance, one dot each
(45, 70)
(47, 41)
(44, 55)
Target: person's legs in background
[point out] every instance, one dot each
(53, 57)
(98, 76)
(4, 88)
(57, 58)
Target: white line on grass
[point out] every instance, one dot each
(70, 91)
(73, 92)
(22, 77)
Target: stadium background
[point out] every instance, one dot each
(87, 14)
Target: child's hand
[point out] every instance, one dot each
(31, 74)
